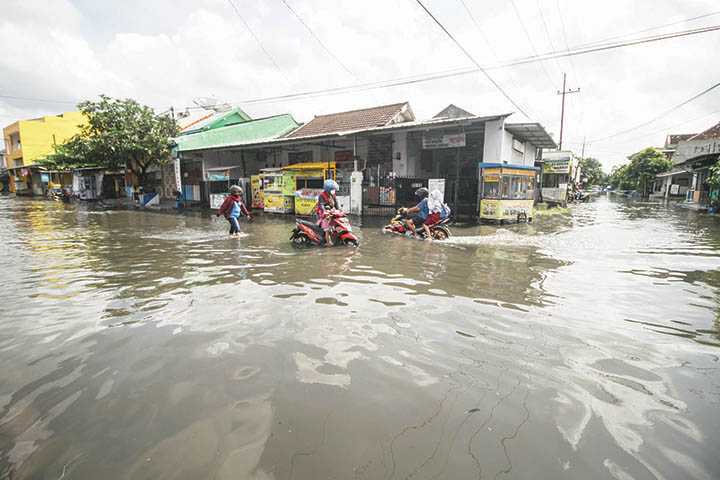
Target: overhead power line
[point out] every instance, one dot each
(457, 72)
(39, 100)
(317, 39)
(661, 115)
(257, 40)
(472, 59)
(530, 41)
(482, 34)
(450, 73)
(650, 29)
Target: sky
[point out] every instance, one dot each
(167, 53)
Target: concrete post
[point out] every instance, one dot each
(356, 194)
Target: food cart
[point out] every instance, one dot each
(507, 192)
(278, 191)
(308, 179)
(256, 192)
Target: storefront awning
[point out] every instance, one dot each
(531, 132)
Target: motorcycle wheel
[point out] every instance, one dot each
(300, 240)
(439, 234)
(349, 242)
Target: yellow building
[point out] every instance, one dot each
(29, 141)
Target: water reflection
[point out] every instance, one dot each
(140, 345)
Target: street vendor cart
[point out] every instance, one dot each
(507, 192)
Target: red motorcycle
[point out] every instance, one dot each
(308, 233)
(398, 225)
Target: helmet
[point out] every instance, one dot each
(422, 192)
(236, 189)
(330, 185)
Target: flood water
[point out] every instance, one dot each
(138, 345)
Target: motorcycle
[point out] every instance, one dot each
(398, 225)
(307, 233)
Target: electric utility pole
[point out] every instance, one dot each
(564, 92)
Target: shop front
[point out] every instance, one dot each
(507, 192)
(560, 174)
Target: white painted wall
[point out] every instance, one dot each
(494, 141)
(400, 166)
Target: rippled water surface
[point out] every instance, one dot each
(140, 345)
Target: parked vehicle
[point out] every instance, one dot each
(398, 225)
(307, 233)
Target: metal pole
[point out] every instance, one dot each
(457, 179)
(562, 112)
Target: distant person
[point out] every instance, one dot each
(233, 208)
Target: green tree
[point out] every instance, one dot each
(714, 177)
(645, 164)
(591, 168)
(119, 134)
(620, 178)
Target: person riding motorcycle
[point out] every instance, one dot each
(439, 210)
(419, 213)
(327, 201)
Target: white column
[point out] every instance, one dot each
(356, 179)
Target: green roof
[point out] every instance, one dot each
(236, 135)
(222, 119)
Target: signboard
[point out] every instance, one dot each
(505, 209)
(437, 184)
(178, 177)
(695, 148)
(557, 166)
(454, 140)
(674, 189)
(45, 177)
(217, 199)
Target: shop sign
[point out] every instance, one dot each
(437, 184)
(454, 140)
(178, 176)
(217, 199)
(557, 166)
(695, 148)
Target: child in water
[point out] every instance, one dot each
(232, 208)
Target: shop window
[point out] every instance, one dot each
(309, 182)
(510, 187)
(300, 157)
(491, 188)
(550, 181)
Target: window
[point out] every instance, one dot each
(309, 182)
(510, 187)
(300, 157)
(491, 186)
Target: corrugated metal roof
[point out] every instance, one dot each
(216, 120)
(262, 129)
(533, 133)
(409, 126)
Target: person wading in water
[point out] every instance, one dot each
(232, 208)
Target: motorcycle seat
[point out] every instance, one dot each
(312, 225)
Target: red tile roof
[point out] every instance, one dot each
(710, 133)
(347, 121)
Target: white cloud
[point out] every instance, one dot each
(178, 50)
